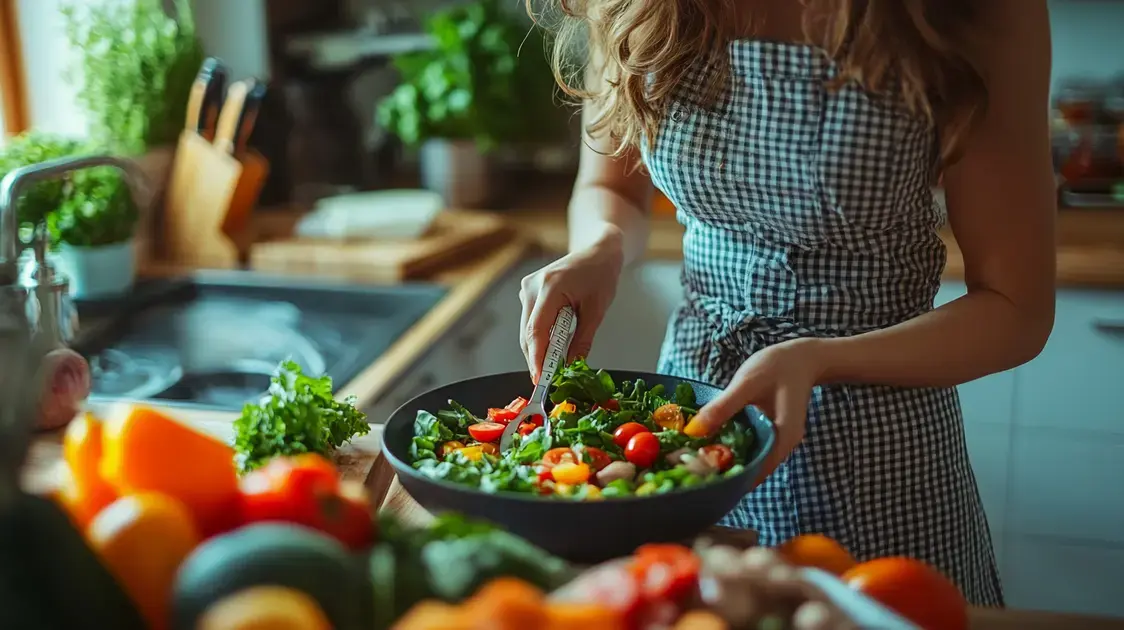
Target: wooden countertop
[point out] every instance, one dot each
(1090, 243)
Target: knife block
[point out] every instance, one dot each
(210, 198)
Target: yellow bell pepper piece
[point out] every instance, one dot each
(563, 407)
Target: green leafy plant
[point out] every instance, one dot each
(485, 79)
(97, 209)
(85, 208)
(34, 147)
(135, 65)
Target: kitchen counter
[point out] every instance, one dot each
(1090, 253)
(468, 283)
(1090, 243)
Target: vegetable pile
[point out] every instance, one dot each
(604, 441)
(718, 587)
(287, 543)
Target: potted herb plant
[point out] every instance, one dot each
(484, 82)
(44, 197)
(90, 214)
(134, 66)
(92, 233)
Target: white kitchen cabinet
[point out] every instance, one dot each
(1064, 576)
(633, 330)
(438, 367)
(1076, 383)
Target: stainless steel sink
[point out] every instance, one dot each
(214, 338)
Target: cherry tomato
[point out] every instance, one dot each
(486, 431)
(717, 455)
(560, 455)
(501, 416)
(612, 405)
(544, 475)
(570, 473)
(526, 428)
(670, 417)
(612, 586)
(666, 572)
(489, 449)
(625, 432)
(517, 405)
(596, 458)
(535, 420)
(449, 447)
(642, 449)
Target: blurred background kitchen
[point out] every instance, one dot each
(453, 102)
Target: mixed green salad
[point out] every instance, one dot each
(605, 440)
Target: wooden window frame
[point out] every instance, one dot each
(13, 83)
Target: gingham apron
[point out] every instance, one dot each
(808, 212)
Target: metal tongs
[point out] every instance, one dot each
(561, 334)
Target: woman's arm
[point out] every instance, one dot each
(611, 200)
(1001, 206)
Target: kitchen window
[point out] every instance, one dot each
(13, 103)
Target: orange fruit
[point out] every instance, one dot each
(265, 608)
(912, 589)
(142, 539)
(508, 604)
(147, 451)
(84, 491)
(434, 615)
(574, 616)
(819, 551)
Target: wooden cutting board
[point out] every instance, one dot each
(454, 236)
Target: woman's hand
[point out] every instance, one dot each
(777, 380)
(586, 280)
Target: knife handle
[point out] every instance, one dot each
(231, 115)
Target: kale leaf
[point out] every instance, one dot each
(299, 415)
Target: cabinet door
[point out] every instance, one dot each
(437, 369)
(1075, 384)
(633, 330)
(1068, 447)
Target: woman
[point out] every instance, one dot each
(799, 142)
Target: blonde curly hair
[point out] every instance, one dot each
(921, 49)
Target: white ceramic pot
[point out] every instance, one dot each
(97, 272)
(458, 171)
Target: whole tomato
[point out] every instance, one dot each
(913, 590)
(306, 490)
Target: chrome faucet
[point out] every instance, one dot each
(36, 314)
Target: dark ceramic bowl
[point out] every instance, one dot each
(579, 531)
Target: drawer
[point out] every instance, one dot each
(1045, 574)
(1067, 485)
(989, 448)
(1075, 384)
